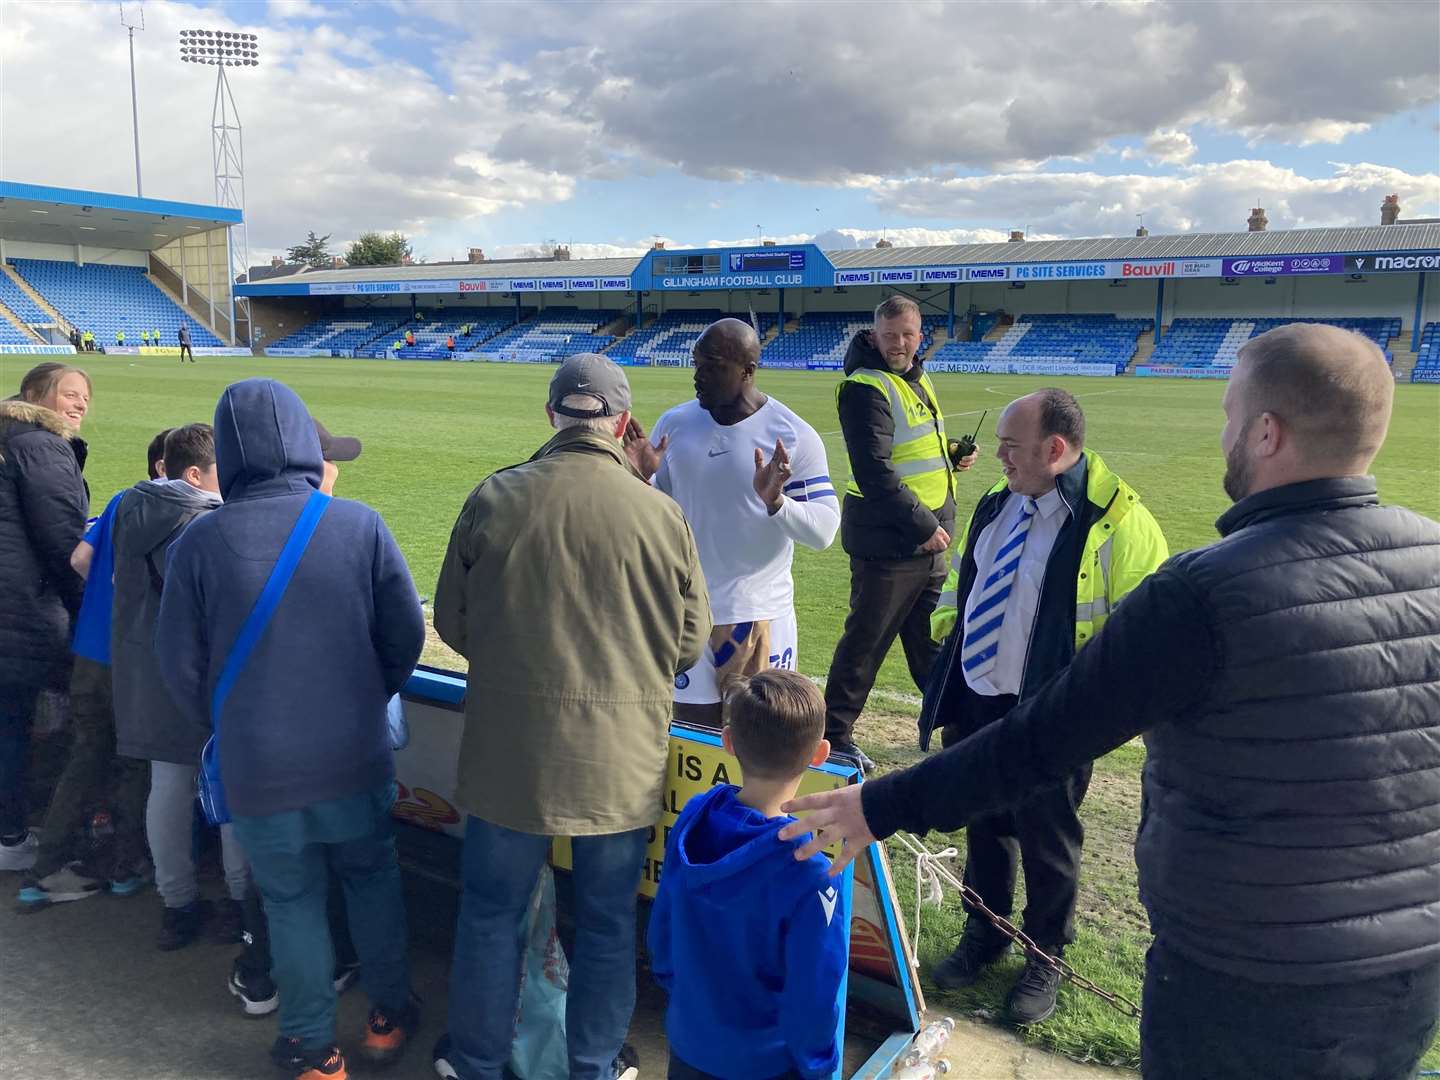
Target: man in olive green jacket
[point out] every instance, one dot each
(574, 589)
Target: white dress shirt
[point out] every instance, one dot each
(1050, 515)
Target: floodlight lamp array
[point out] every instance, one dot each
(225, 48)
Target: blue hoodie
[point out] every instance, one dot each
(305, 720)
(751, 945)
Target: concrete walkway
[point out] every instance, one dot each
(84, 995)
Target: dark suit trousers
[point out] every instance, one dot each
(1043, 836)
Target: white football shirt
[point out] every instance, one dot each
(745, 552)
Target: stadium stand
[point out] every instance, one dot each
(823, 336)
(432, 331)
(344, 332)
(1427, 357)
(10, 335)
(1083, 339)
(553, 333)
(104, 299)
(1213, 343)
(669, 340)
(18, 301)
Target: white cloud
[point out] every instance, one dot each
(340, 136)
(1209, 197)
(282, 10)
(443, 124)
(1167, 147)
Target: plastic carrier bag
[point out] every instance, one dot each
(539, 1051)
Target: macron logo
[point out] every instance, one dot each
(828, 899)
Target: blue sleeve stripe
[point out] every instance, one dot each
(823, 493)
(811, 480)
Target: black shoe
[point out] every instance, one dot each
(302, 1064)
(228, 924)
(440, 1056)
(255, 991)
(627, 1064)
(180, 926)
(850, 754)
(963, 967)
(1033, 998)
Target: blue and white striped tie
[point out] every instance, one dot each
(982, 628)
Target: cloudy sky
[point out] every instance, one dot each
(506, 126)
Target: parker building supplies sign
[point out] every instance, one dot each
(1395, 263)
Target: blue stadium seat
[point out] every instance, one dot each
(822, 337)
(1427, 357)
(1214, 343)
(104, 299)
(552, 334)
(1080, 339)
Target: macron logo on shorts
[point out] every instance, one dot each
(827, 900)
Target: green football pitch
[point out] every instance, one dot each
(434, 430)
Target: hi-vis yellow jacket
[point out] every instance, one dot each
(1123, 545)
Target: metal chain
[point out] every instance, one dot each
(929, 863)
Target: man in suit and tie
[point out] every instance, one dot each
(1048, 553)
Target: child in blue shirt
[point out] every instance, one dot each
(751, 945)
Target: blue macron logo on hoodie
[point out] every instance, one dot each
(751, 946)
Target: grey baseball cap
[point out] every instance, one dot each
(594, 375)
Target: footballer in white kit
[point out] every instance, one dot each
(752, 479)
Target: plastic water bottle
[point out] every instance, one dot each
(929, 1042)
(923, 1070)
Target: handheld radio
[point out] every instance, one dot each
(965, 445)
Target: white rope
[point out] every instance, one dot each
(929, 884)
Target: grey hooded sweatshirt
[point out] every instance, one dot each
(148, 520)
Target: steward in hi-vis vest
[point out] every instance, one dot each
(898, 514)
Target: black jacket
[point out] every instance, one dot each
(889, 522)
(1052, 642)
(1288, 677)
(150, 518)
(43, 503)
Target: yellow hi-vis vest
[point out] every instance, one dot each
(918, 454)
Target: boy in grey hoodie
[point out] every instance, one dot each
(148, 725)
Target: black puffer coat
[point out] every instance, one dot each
(43, 503)
(1287, 680)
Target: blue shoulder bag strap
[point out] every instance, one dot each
(269, 600)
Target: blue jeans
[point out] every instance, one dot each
(17, 710)
(291, 856)
(501, 867)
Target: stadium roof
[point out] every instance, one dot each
(1361, 240)
(508, 268)
(1357, 240)
(54, 215)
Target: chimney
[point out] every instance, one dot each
(337, 262)
(658, 245)
(1389, 209)
(562, 254)
(1257, 219)
(276, 261)
(883, 243)
(1017, 236)
(477, 255)
(407, 260)
(1142, 231)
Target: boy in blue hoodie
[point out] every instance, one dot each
(751, 945)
